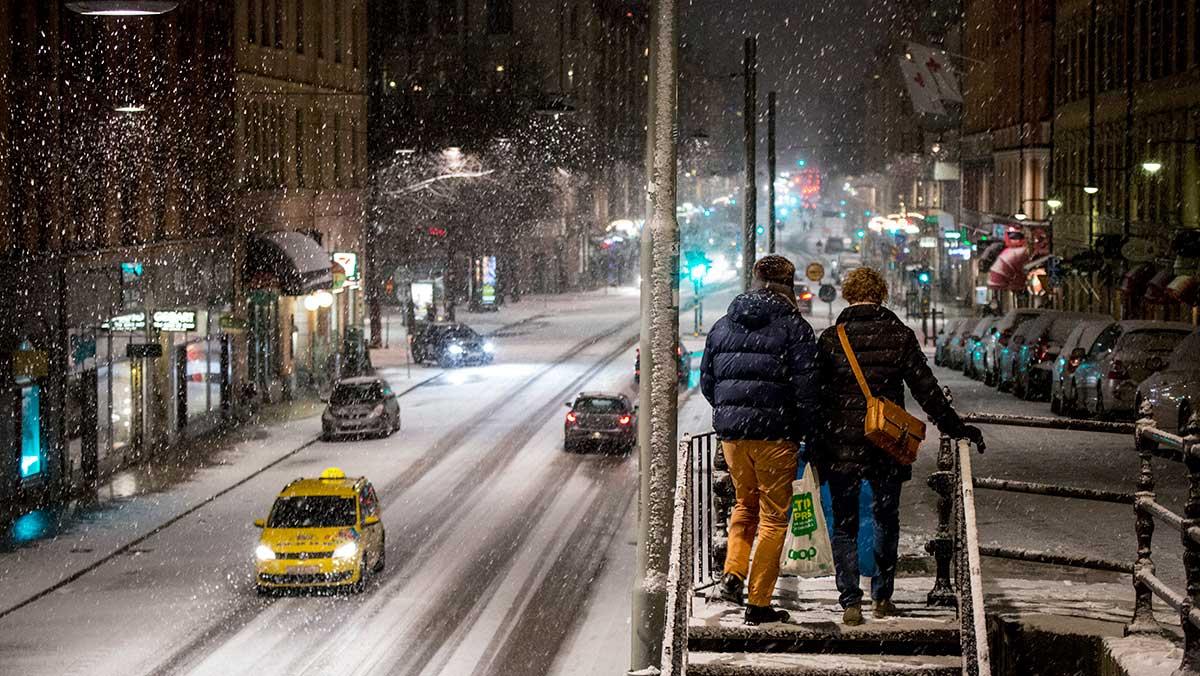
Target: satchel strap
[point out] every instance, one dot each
(858, 374)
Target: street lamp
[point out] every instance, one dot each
(1054, 203)
(1020, 215)
(122, 7)
(1152, 166)
(1091, 189)
(129, 108)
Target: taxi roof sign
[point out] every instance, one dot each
(333, 473)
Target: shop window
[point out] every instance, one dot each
(122, 404)
(31, 431)
(195, 373)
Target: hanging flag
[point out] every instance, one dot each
(937, 66)
(921, 89)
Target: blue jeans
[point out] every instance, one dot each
(844, 488)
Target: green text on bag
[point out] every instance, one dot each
(804, 517)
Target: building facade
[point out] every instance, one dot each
(558, 83)
(151, 210)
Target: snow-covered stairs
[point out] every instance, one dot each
(923, 640)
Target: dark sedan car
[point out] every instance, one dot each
(451, 345)
(1040, 343)
(804, 299)
(360, 406)
(600, 420)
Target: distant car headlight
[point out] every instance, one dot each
(455, 349)
(264, 553)
(346, 550)
(377, 411)
(489, 347)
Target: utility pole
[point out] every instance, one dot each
(750, 194)
(771, 170)
(658, 389)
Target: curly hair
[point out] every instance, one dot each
(865, 285)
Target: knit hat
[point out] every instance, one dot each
(775, 269)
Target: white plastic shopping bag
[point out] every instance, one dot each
(807, 551)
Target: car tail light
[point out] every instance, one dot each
(678, 350)
(1043, 350)
(571, 417)
(1118, 371)
(625, 419)
(806, 296)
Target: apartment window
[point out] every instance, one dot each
(299, 149)
(252, 20)
(338, 27)
(500, 17)
(320, 29)
(263, 24)
(573, 22)
(416, 17)
(447, 16)
(337, 149)
(279, 24)
(300, 26)
(354, 153)
(318, 133)
(280, 146)
(356, 35)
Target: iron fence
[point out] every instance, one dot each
(707, 520)
(954, 483)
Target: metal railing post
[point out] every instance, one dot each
(941, 546)
(1191, 553)
(1143, 605)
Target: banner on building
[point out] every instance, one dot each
(921, 90)
(936, 68)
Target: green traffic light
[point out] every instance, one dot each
(698, 272)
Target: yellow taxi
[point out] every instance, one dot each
(321, 533)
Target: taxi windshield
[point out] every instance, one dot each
(312, 511)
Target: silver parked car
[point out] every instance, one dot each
(942, 343)
(1173, 393)
(1041, 343)
(998, 338)
(1122, 356)
(1070, 356)
(975, 358)
(360, 406)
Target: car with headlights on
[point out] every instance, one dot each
(1172, 395)
(1121, 357)
(451, 344)
(358, 407)
(321, 533)
(600, 420)
(804, 299)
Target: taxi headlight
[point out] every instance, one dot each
(455, 349)
(346, 550)
(264, 553)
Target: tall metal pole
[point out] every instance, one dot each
(750, 194)
(658, 388)
(771, 171)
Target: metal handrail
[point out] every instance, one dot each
(679, 576)
(976, 656)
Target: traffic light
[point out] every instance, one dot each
(860, 233)
(760, 230)
(867, 213)
(924, 277)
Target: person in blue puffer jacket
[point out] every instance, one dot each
(759, 372)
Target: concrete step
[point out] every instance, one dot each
(793, 664)
(815, 628)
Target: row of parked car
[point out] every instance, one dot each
(1084, 364)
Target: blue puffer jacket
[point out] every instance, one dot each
(759, 370)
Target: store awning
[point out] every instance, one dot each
(290, 261)
(1185, 289)
(1008, 272)
(1156, 288)
(989, 254)
(1135, 281)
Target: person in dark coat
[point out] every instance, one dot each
(759, 373)
(890, 357)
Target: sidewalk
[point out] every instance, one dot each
(49, 547)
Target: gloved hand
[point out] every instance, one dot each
(975, 436)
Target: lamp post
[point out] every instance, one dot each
(122, 7)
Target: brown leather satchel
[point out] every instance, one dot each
(887, 425)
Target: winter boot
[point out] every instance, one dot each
(852, 616)
(886, 608)
(730, 588)
(756, 615)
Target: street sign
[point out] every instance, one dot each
(815, 272)
(827, 293)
